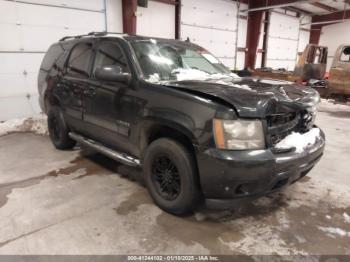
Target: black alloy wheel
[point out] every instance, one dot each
(166, 178)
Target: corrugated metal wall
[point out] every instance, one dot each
(285, 39)
(213, 25)
(157, 20)
(27, 30)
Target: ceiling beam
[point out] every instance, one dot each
(331, 17)
(299, 10)
(277, 4)
(325, 7)
(169, 2)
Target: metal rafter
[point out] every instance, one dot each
(325, 7)
(278, 4)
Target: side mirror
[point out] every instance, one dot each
(113, 73)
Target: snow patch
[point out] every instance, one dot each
(329, 105)
(190, 74)
(299, 141)
(155, 78)
(36, 124)
(195, 74)
(346, 217)
(335, 231)
(199, 216)
(222, 82)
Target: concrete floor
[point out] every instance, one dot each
(67, 202)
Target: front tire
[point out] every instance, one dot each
(58, 130)
(171, 176)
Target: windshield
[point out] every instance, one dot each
(166, 61)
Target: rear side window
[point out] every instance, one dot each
(110, 54)
(79, 60)
(51, 56)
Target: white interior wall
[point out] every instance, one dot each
(27, 29)
(212, 24)
(114, 15)
(283, 38)
(333, 36)
(242, 40)
(304, 36)
(157, 20)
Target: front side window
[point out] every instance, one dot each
(167, 60)
(109, 54)
(79, 60)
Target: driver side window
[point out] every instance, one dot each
(109, 54)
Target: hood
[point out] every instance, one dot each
(254, 97)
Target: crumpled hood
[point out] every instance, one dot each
(254, 97)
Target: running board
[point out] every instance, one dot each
(121, 157)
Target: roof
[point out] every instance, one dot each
(94, 34)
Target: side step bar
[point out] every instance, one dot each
(121, 157)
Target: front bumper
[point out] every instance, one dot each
(229, 178)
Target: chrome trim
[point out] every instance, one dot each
(121, 157)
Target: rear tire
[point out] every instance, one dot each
(170, 175)
(58, 129)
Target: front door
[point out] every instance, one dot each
(103, 99)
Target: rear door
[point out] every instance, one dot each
(75, 81)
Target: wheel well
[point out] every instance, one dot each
(155, 132)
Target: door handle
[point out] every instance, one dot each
(90, 91)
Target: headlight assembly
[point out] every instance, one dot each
(238, 134)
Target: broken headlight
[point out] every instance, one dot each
(238, 134)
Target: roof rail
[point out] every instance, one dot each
(89, 34)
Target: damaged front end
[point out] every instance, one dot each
(234, 174)
(283, 107)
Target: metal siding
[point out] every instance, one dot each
(114, 15)
(27, 30)
(283, 38)
(213, 25)
(157, 20)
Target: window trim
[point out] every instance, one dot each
(96, 49)
(92, 58)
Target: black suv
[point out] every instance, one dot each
(198, 131)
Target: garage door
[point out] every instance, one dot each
(157, 20)
(27, 29)
(213, 25)
(282, 45)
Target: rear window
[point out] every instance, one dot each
(51, 57)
